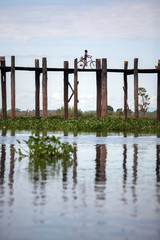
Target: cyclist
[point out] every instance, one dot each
(86, 55)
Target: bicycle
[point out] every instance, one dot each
(90, 64)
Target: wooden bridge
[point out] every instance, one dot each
(101, 71)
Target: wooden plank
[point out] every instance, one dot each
(75, 89)
(71, 70)
(104, 88)
(125, 90)
(66, 64)
(37, 89)
(12, 87)
(136, 88)
(98, 82)
(158, 93)
(3, 88)
(44, 86)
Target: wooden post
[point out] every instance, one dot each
(158, 93)
(136, 88)
(66, 90)
(104, 88)
(125, 90)
(37, 88)
(44, 86)
(12, 87)
(75, 89)
(3, 88)
(98, 81)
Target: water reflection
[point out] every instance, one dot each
(158, 172)
(85, 193)
(2, 163)
(124, 173)
(124, 164)
(135, 165)
(100, 173)
(11, 175)
(158, 163)
(2, 174)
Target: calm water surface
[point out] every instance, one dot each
(112, 190)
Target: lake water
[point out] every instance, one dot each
(112, 190)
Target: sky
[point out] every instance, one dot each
(60, 30)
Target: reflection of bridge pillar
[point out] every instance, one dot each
(2, 163)
(11, 174)
(124, 164)
(101, 154)
(101, 163)
(75, 165)
(135, 165)
(100, 175)
(158, 163)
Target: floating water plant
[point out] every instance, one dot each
(83, 124)
(45, 147)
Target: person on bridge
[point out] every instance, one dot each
(86, 55)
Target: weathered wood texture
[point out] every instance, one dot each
(101, 81)
(37, 89)
(104, 88)
(75, 89)
(136, 88)
(13, 87)
(98, 82)
(125, 90)
(66, 64)
(3, 88)
(158, 93)
(44, 86)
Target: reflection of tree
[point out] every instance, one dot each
(100, 176)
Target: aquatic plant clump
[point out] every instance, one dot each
(83, 124)
(45, 147)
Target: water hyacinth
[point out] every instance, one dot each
(45, 147)
(83, 124)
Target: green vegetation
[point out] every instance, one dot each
(46, 154)
(45, 147)
(83, 124)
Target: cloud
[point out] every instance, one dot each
(110, 19)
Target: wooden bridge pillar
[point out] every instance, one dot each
(3, 88)
(104, 88)
(66, 64)
(75, 89)
(12, 87)
(125, 90)
(37, 88)
(136, 88)
(98, 81)
(44, 86)
(158, 93)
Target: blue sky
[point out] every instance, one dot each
(118, 30)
